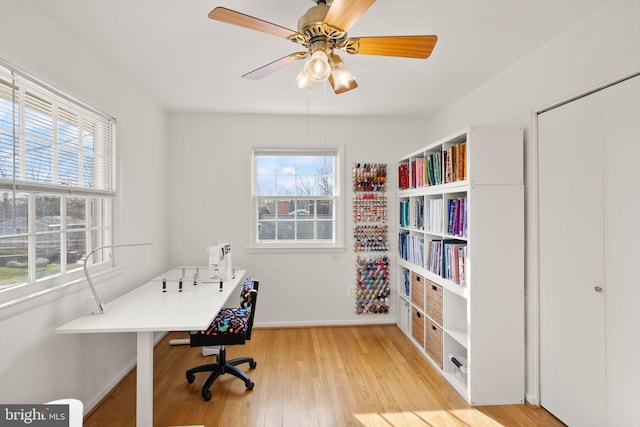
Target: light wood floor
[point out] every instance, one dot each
(361, 376)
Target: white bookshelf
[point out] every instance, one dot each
(481, 319)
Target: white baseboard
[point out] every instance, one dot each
(532, 399)
(88, 406)
(369, 321)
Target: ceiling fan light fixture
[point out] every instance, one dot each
(322, 29)
(303, 82)
(317, 67)
(341, 78)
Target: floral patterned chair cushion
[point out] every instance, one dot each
(229, 321)
(232, 320)
(245, 293)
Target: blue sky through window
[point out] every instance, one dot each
(303, 175)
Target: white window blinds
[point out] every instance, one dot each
(51, 142)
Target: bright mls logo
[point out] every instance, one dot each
(34, 415)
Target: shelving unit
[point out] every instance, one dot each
(461, 260)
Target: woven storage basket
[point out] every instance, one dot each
(417, 290)
(433, 346)
(434, 301)
(417, 326)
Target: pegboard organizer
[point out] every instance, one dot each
(370, 177)
(370, 238)
(370, 235)
(372, 294)
(370, 207)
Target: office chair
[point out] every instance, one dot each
(231, 326)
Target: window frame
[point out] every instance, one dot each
(302, 246)
(99, 191)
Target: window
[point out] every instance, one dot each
(296, 198)
(56, 182)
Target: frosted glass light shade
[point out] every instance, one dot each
(341, 78)
(317, 67)
(303, 82)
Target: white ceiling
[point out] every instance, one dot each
(187, 62)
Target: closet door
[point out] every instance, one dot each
(572, 327)
(621, 134)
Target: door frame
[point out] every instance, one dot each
(532, 268)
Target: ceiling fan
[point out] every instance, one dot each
(322, 30)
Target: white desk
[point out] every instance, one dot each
(146, 309)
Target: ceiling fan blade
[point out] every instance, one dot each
(274, 66)
(344, 13)
(229, 16)
(402, 46)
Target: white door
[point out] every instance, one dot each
(571, 270)
(621, 134)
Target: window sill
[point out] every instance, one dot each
(16, 301)
(295, 249)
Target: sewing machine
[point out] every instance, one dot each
(220, 266)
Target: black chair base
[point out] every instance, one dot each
(223, 366)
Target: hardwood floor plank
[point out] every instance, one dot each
(361, 376)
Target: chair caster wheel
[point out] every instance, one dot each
(252, 364)
(249, 385)
(206, 395)
(190, 378)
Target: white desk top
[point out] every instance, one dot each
(147, 308)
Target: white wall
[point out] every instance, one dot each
(210, 201)
(37, 365)
(311, 289)
(207, 195)
(601, 48)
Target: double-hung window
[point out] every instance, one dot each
(56, 183)
(296, 198)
